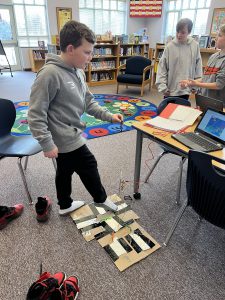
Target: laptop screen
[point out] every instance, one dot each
(212, 125)
(205, 102)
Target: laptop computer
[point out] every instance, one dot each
(204, 103)
(208, 136)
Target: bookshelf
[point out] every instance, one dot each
(107, 57)
(205, 54)
(37, 58)
(102, 68)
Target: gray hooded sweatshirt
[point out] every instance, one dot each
(59, 96)
(179, 61)
(215, 72)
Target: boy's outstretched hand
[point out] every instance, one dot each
(117, 118)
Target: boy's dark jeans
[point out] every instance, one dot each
(83, 162)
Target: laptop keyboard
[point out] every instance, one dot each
(196, 139)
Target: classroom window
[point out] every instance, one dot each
(31, 22)
(197, 11)
(104, 15)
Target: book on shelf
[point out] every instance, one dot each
(125, 39)
(41, 45)
(38, 55)
(122, 61)
(131, 38)
(203, 41)
(55, 39)
(156, 67)
(160, 54)
(137, 50)
(175, 117)
(145, 39)
(104, 64)
(52, 48)
(101, 76)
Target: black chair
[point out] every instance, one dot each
(2, 52)
(138, 71)
(161, 107)
(15, 146)
(205, 190)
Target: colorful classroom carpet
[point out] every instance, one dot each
(133, 109)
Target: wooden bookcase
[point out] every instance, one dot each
(37, 59)
(205, 54)
(107, 57)
(102, 68)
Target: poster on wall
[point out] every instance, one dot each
(63, 15)
(217, 20)
(146, 9)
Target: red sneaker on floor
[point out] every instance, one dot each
(70, 288)
(7, 214)
(43, 288)
(43, 207)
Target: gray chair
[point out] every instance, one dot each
(2, 52)
(161, 107)
(15, 146)
(205, 190)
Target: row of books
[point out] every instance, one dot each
(98, 76)
(131, 39)
(102, 51)
(160, 54)
(105, 64)
(135, 50)
(123, 61)
(126, 51)
(38, 54)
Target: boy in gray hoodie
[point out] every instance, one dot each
(59, 96)
(213, 82)
(181, 59)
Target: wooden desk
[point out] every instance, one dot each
(167, 141)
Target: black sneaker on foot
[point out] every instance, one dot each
(43, 207)
(43, 288)
(8, 214)
(70, 288)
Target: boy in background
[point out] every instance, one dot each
(181, 59)
(213, 82)
(59, 96)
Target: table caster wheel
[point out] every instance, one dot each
(137, 196)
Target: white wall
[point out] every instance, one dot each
(5, 1)
(155, 28)
(52, 4)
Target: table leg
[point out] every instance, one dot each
(137, 168)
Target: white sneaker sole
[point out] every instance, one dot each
(75, 205)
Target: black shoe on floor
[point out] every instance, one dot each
(43, 207)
